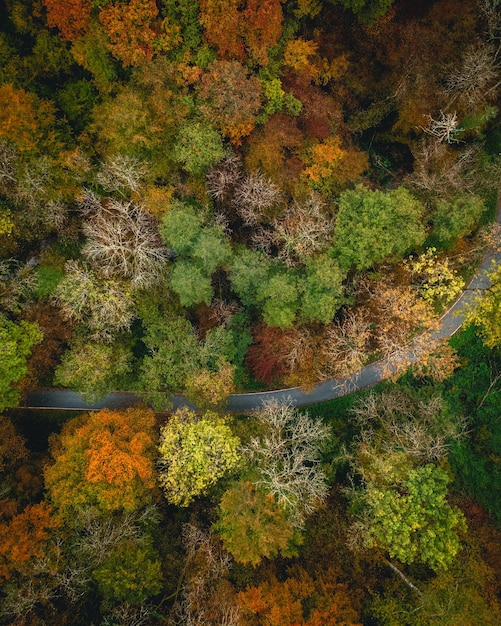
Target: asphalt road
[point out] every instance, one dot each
(370, 375)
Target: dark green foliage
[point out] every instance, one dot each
(367, 11)
(457, 218)
(475, 389)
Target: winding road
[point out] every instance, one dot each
(370, 375)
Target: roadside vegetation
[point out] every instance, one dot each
(208, 197)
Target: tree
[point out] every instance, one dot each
(367, 11)
(322, 289)
(254, 197)
(25, 538)
(346, 346)
(286, 458)
(198, 147)
(458, 596)
(181, 227)
(279, 297)
(303, 230)
(104, 306)
(71, 17)
(201, 248)
(16, 341)
(248, 272)
(230, 99)
(134, 36)
(261, 27)
(123, 241)
(103, 460)
(27, 122)
(253, 525)
(299, 599)
(330, 168)
(132, 574)
(486, 310)
(12, 445)
(409, 517)
(401, 506)
(191, 283)
(458, 218)
(195, 452)
(174, 354)
(221, 23)
(94, 369)
(372, 226)
(206, 596)
(208, 388)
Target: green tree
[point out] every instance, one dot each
(485, 313)
(132, 573)
(174, 354)
(198, 146)
(455, 219)
(367, 11)
(372, 226)
(191, 283)
(195, 452)
(322, 289)
(249, 270)
(94, 369)
(16, 342)
(181, 227)
(409, 517)
(279, 297)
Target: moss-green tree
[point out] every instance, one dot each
(252, 525)
(94, 369)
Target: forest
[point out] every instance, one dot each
(209, 197)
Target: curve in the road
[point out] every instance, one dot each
(370, 375)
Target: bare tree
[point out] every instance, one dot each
(204, 599)
(8, 163)
(347, 344)
(18, 283)
(104, 305)
(444, 129)
(128, 615)
(476, 76)
(393, 421)
(122, 174)
(303, 230)
(123, 241)
(287, 458)
(223, 177)
(440, 171)
(254, 196)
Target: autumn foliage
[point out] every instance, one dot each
(25, 537)
(71, 17)
(103, 459)
(298, 600)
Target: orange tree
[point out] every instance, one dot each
(103, 460)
